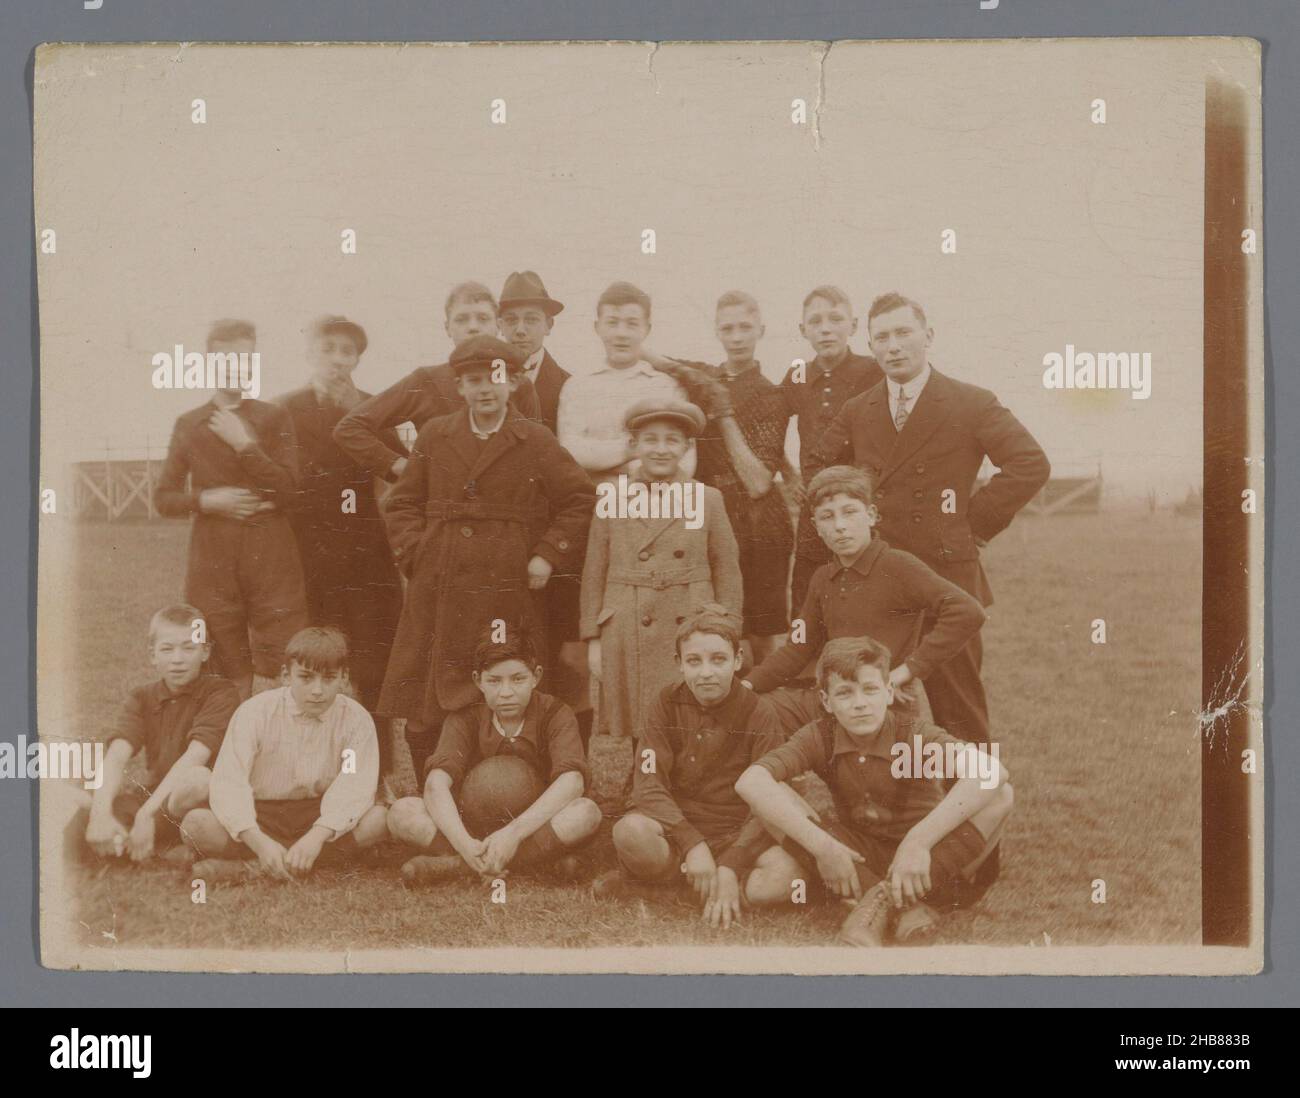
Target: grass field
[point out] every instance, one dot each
(1101, 742)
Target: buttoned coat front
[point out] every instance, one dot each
(464, 519)
(641, 580)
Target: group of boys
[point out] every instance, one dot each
(674, 628)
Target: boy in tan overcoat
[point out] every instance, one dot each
(660, 546)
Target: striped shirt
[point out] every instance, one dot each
(275, 752)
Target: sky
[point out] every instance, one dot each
(1067, 231)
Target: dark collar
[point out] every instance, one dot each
(880, 745)
(866, 559)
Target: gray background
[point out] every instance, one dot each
(25, 23)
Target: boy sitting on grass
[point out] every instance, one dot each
(178, 721)
(514, 720)
(298, 770)
(699, 737)
(899, 839)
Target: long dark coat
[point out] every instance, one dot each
(351, 579)
(464, 519)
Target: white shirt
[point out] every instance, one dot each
(592, 409)
(533, 364)
(911, 388)
(275, 752)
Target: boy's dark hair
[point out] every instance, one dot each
(471, 293)
(227, 330)
(887, 303)
(845, 655)
(715, 620)
(179, 613)
(318, 648)
(624, 293)
(516, 646)
(835, 480)
(738, 297)
(833, 294)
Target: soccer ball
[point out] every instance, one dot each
(496, 791)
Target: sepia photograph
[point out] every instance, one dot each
(692, 507)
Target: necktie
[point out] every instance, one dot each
(900, 412)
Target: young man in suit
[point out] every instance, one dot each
(527, 315)
(525, 318)
(923, 436)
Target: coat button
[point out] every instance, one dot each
(918, 494)
(466, 532)
(644, 554)
(920, 469)
(647, 620)
(679, 553)
(880, 493)
(563, 546)
(916, 518)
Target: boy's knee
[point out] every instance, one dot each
(373, 826)
(773, 877)
(190, 791)
(409, 822)
(636, 834)
(203, 831)
(584, 818)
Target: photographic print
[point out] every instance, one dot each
(773, 507)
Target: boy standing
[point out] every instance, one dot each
(701, 735)
(899, 838)
(867, 590)
(515, 720)
(743, 470)
(924, 436)
(351, 580)
(424, 394)
(645, 573)
(298, 769)
(243, 571)
(488, 507)
(814, 394)
(179, 722)
(528, 314)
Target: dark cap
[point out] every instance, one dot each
(481, 351)
(688, 417)
(324, 324)
(525, 288)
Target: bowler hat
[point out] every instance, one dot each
(482, 352)
(687, 416)
(525, 288)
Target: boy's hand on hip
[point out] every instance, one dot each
(909, 875)
(143, 830)
(399, 467)
(838, 866)
(232, 430)
(724, 908)
(703, 871)
(539, 571)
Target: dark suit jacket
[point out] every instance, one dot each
(943, 444)
(550, 380)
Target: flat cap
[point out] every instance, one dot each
(481, 352)
(688, 417)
